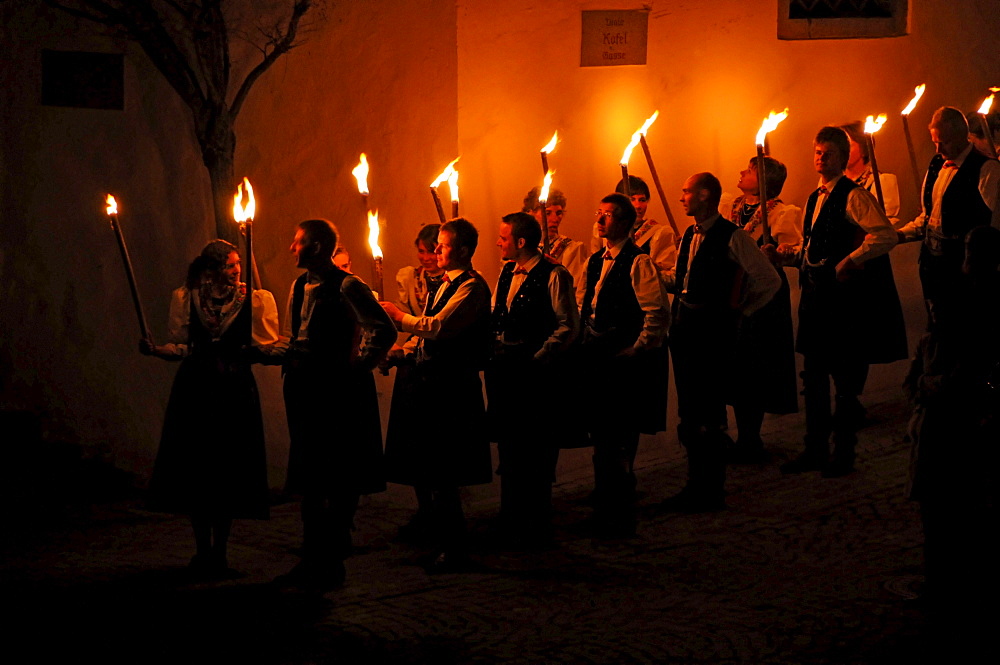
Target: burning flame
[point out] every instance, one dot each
(987, 104)
(453, 185)
(636, 136)
(360, 172)
(543, 195)
(873, 124)
(918, 93)
(112, 205)
(242, 214)
(770, 123)
(373, 234)
(551, 145)
(445, 175)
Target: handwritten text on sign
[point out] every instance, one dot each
(613, 38)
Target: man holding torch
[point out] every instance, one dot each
(625, 318)
(960, 192)
(849, 312)
(720, 274)
(329, 387)
(454, 450)
(535, 321)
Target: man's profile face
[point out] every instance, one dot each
(506, 243)
(607, 226)
(449, 257)
(828, 160)
(693, 197)
(303, 249)
(640, 203)
(948, 144)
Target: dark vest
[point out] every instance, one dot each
(832, 237)
(530, 320)
(713, 273)
(962, 206)
(228, 346)
(617, 309)
(333, 330)
(469, 348)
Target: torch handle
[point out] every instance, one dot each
(988, 134)
(251, 266)
(454, 209)
(765, 225)
(543, 220)
(625, 184)
(918, 181)
(379, 282)
(878, 178)
(659, 187)
(143, 326)
(437, 204)
(545, 163)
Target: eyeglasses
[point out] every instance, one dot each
(601, 213)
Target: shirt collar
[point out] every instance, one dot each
(961, 156)
(530, 265)
(617, 247)
(830, 184)
(709, 223)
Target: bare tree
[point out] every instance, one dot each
(188, 41)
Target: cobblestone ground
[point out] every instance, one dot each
(798, 570)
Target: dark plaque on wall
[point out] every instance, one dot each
(83, 80)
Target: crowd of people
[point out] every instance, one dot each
(599, 326)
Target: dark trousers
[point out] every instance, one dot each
(327, 521)
(527, 471)
(701, 343)
(849, 375)
(614, 478)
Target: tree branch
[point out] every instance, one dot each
(282, 44)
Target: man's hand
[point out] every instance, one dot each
(394, 312)
(845, 268)
(146, 347)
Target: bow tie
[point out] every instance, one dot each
(446, 279)
(823, 190)
(698, 228)
(608, 256)
(520, 271)
(950, 165)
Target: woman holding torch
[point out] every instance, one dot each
(764, 377)
(211, 463)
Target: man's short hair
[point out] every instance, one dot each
(623, 211)
(775, 175)
(428, 235)
(530, 204)
(838, 138)
(856, 132)
(323, 232)
(950, 121)
(711, 184)
(464, 234)
(635, 186)
(524, 226)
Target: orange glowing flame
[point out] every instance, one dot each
(112, 205)
(445, 175)
(373, 234)
(551, 145)
(770, 123)
(240, 213)
(873, 124)
(987, 104)
(918, 92)
(637, 136)
(543, 195)
(453, 185)
(360, 172)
